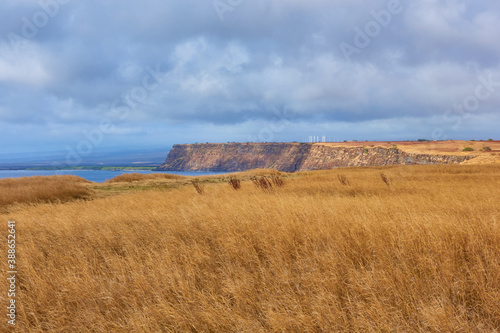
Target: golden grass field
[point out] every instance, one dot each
(42, 189)
(392, 249)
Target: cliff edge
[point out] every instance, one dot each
(291, 157)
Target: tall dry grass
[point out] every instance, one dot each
(234, 182)
(135, 177)
(42, 189)
(198, 186)
(312, 256)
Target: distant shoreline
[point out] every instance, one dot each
(87, 168)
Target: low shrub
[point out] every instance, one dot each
(343, 180)
(385, 179)
(199, 187)
(263, 183)
(235, 183)
(277, 180)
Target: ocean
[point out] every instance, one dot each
(98, 176)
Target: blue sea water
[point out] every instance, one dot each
(97, 176)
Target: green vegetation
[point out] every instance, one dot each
(468, 149)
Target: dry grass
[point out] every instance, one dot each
(385, 179)
(267, 183)
(312, 256)
(234, 182)
(447, 147)
(263, 183)
(42, 189)
(343, 180)
(198, 186)
(135, 177)
(277, 180)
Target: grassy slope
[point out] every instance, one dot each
(314, 255)
(42, 189)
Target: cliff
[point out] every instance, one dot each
(290, 157)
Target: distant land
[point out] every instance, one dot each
(89, 167)
(291, 157)
(101, 160)
(282, 156)
(104, 168)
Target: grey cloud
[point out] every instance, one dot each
(232, 72)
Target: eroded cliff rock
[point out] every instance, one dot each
(290, 157)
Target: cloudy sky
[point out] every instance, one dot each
(87, 77)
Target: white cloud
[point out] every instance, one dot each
(25, 67)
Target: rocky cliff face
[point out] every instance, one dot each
(290, 157)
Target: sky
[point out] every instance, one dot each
(80, 79)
